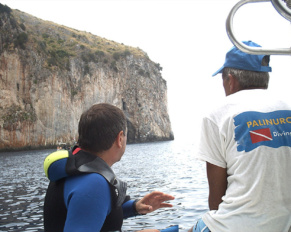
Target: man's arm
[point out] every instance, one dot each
(217, 180)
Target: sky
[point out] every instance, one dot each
(186, 37)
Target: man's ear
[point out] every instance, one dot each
(233, 84)
(230, 82)
(119, 139)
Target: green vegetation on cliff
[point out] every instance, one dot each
(58, 44)
(4, 9)
(15, 114)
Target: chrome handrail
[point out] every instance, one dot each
(286, 13)
(283, 9)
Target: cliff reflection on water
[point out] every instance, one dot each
(169, 167)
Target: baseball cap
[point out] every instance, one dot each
(235, 58)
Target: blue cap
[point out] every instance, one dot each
(235, 58)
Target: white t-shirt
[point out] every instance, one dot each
(250, 136)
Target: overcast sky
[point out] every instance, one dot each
(187, 37)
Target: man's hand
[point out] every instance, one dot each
(152, 202)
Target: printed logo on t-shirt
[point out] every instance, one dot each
(254, 129)
(261, 135)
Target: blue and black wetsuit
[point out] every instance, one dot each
(84, 194)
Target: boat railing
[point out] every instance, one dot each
(284, 9)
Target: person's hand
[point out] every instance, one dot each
(152, 202)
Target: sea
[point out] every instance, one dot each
(169, 167)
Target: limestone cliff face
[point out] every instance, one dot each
(50, 74)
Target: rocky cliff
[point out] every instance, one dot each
(49, 74)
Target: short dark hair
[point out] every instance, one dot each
(99, 126)
(250, 79)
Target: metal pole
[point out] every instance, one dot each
(245, 48)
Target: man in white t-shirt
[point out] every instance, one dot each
(246, 143)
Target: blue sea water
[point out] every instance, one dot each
(169, 167)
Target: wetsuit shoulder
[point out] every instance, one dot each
(88, 201)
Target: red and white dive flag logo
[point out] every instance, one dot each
(261, 135)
